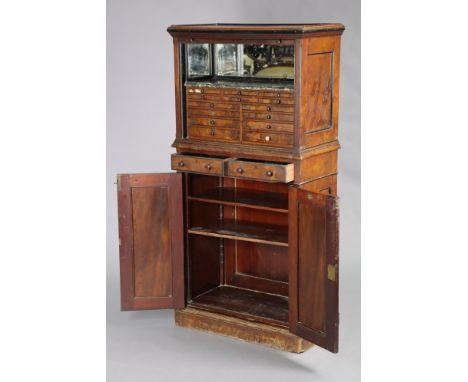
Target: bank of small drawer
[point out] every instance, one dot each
(267, 108)
(264, 171)
(268, 126)
(193, 163)
(271, 117)
(268, 138)
(213, 105)
(213, 122)
(215, 133)
(208, 112)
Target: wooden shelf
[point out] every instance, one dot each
(270, 201)
(246, 304)
(257, 233)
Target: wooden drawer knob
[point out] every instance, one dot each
(181, 164)
(212, 105)
(212, 122)
(268, 116)
(209, 167)
(268, 108)
(267, 138)
(278, 94)
(240, 170)
(268, 126)
(278, 101)
(202, 91)
(269, 173)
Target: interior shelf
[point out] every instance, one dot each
(246, 304)
(237, 230)
(244, 198)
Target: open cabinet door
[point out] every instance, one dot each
(151, 241)
(313, 267)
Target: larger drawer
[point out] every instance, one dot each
(264, 171)
(198, 164)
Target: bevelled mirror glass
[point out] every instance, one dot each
(199, 60)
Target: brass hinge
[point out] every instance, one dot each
(332, 270)
(117, 182)
(336, 203)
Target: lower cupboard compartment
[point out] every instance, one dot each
(238, 248)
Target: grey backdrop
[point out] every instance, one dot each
(146, 346)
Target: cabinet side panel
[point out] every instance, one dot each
(319, 90)
(151, 242)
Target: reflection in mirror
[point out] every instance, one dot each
(198, 60)
(268, 61)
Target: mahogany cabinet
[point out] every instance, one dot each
(242, 239)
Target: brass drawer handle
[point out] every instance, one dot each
(268, 116)
(209, 167)
(269, 173)
(268, 108)
(212, 122)
(240, 170)
(267, 138)
(181, 164)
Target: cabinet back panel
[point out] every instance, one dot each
(151, 242)
(261, 216)
(204, 263)
(262, 260)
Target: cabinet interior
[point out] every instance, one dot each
(237, 233)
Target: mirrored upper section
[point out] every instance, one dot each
(240, 61)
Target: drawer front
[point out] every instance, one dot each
(213, 97)
(214, 122)
(268, 126)
(213, 105)
(273, 172)
(213, 133)
(191, 163)
(263, 107)
(277, 101)
(209, 90)
(269, 116)
(267, 138)
(277, 94)
(200, 112)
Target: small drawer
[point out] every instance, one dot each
(193, 91)
(232, 91)
(199, 164)
(213, 122)
(214, 97)
(213, 105)
(277, 94)
(249, 99)
(271, 139)
(263, 107)
(208, 112)
(213, 133)
(269, 126)
(269, 116)
(265, 171)
(277, 101)
(249, 92)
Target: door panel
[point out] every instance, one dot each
(151, 241)
(313, 267)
